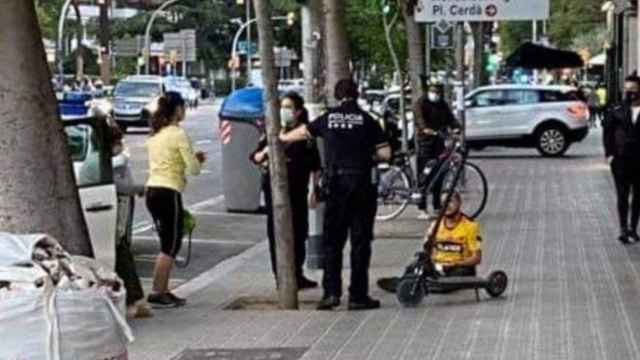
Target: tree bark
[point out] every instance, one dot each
(416, 45)
(338, 49)
(479, 29)
(285, 255)
(38, 193)
(105, 38)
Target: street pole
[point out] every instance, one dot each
(236, 38)
(184, 57)
(147, 32)
(59, 52)
(427, 49)
(460, 77)
(249, 52)
(535, 41)
(311, 22)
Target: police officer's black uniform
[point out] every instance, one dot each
(351, 139)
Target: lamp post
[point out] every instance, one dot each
(234, 45)
(147, 32)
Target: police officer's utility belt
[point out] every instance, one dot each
(351, 171)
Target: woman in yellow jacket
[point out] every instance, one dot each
(171, 159)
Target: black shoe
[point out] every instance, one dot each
(328, 303)
(304, 284)
(176, 300)
(364, 304)
(624, 238)
(164, 300)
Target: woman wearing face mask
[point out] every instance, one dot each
(303, 160)
(433, 116)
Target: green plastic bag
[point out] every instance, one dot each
(188, 222)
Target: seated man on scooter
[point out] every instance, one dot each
(458, 244)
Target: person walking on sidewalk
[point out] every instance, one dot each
(622, 150)
(433, 115)
(171, 158)
(303, 160)
(353, 142)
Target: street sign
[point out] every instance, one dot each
(243, 48)
(442, 39)
(128, 46)
(183, 42)
(481, 10)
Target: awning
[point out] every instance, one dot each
(532, 56)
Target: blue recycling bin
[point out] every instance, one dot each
(240, 127)
(74, 104)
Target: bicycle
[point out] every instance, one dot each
(398, 187)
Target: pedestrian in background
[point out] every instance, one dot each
(171, 158)
(622, 150)
(303, 160)
(433, 117)
(354, 141)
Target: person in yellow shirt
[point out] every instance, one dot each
(171, 159)
(458, 243)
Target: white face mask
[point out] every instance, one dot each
(434, 97)
(287, 117)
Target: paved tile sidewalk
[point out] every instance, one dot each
(550, 224)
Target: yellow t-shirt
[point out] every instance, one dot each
(457, 244)
(171, 158)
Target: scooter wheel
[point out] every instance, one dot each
(410, 291)
(498, 282)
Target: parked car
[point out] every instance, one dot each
(90, 149)
(132, 95)
(183, 86)
(291, 85)
(548, 118)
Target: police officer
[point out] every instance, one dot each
(353, 143)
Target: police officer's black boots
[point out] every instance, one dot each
(328, 303)
(364, 304)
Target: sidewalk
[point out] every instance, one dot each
(550, 224)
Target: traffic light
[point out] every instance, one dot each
(291, 18)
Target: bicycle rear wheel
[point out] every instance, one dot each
(394, 192)
(472, 187)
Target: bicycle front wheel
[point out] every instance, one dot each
(394, 192)
(472, 187)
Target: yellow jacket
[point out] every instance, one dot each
(171, 159)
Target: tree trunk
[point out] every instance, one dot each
(105, 37)
(416, 45)
(285, 255)
(479, 29)
(338, 50)
(37, 191)
(79, 48)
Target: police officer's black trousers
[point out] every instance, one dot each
(627, 180)
(350, 211)
(300, 219)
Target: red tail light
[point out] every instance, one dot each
(579, 111)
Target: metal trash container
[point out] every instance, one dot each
(240, 127)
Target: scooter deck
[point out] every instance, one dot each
(460, 281)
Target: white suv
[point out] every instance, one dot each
(549, 118)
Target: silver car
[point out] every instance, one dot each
(548, 118)
(131, 96)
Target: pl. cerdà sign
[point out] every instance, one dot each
(481, 10)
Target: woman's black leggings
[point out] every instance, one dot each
(165, 206)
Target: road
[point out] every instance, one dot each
(219, 235)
